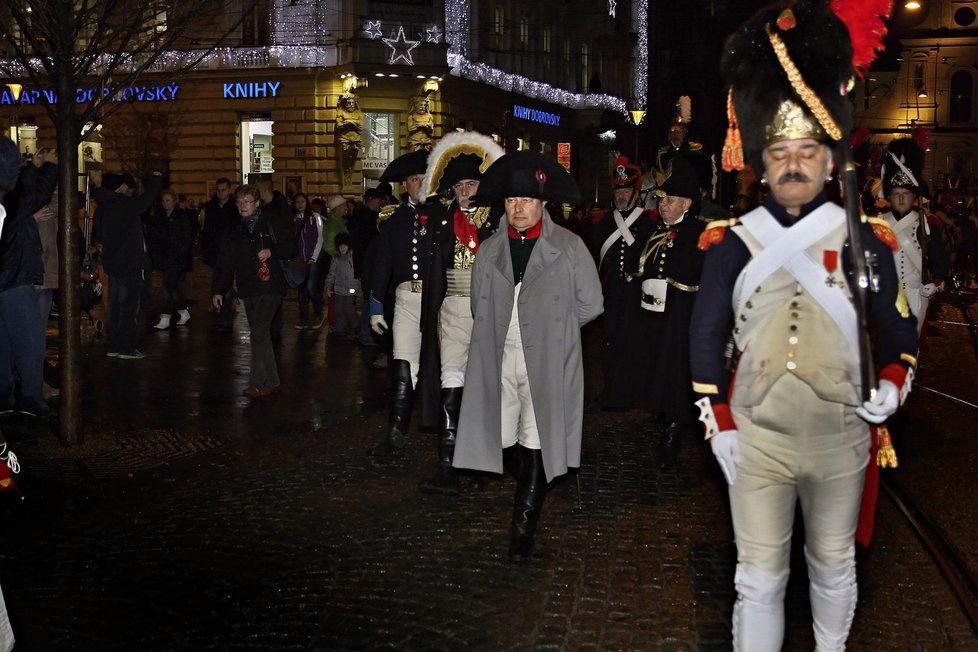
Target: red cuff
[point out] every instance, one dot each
(721, 412)
(895, 373)
(937, 281)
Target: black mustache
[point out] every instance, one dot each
(793, 176)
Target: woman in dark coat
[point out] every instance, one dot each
(252, 256)
(171, 242)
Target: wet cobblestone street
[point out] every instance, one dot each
(195, 519)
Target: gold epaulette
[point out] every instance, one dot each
(386, 212)
(884, 232)
(714, 231)
(694, 146)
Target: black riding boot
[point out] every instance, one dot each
(445, 480)
(511, 460)
(402, 398)
(531, 489)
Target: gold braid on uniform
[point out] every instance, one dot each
(652, 246)
(806, 94)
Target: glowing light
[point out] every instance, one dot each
(371, 29)
(612, 7)
(911, 5)
(15, 90)
(434, 34)
(637, 116)
(401, 47)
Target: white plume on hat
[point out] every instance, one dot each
(454, 144)
(335, 202)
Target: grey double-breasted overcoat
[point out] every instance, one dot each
(560, 293)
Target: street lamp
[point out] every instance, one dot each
(912, 5)
(15, 90)
(637, 115)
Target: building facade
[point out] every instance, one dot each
(931, 87)
(321, 95)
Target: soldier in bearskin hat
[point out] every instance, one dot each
(667, 265)
(792, 424)
(534, 286)
(455, 166)
(621, 229)
(921, 261)
(400, 257)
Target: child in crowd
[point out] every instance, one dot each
(341, 285)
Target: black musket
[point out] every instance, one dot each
(862, 275)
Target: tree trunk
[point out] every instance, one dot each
(69, 322)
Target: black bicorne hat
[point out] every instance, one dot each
(529, 174)
(682, 181)
(406, 165)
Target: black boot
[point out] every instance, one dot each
(531, 489)
(402, 398)
(445, 480)
(669, 444)
(511, 460)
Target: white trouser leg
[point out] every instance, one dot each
(407, 329)
(454, 335)
(519, 423)
(758, 616)
(833, 594)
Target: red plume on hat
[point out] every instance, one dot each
(864, 20)
(625, 174)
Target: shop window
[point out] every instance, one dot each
(256, 147)
(90, 156)
(379, 139)
(524, 30)
(498, 25)
(25, 135)
(962, 89)
(546, 40)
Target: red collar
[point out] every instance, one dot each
(529, 234)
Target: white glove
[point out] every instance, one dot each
(883, 405)
(929, 289)
(726, 447)
(377, 324)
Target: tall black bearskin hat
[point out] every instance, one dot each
(789, 69)
(528, 174)
(902, 166)
(625, 174)
(459, 155)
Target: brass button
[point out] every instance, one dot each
(793, 327)
(749, 305)
(792, 340)
(743, 318)
(791, 354)
(791, 365)
(794, 315)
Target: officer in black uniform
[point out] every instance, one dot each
(400, 260)
(455, 166)
(622, 229)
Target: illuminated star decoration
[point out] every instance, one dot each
(401, 47)
(612, 7)
(372, 29)
(434, 34)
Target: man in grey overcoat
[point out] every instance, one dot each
(534, 285)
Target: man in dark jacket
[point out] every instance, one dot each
(220, 216)
(124, 257)
(21, 333)
(363, 229)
